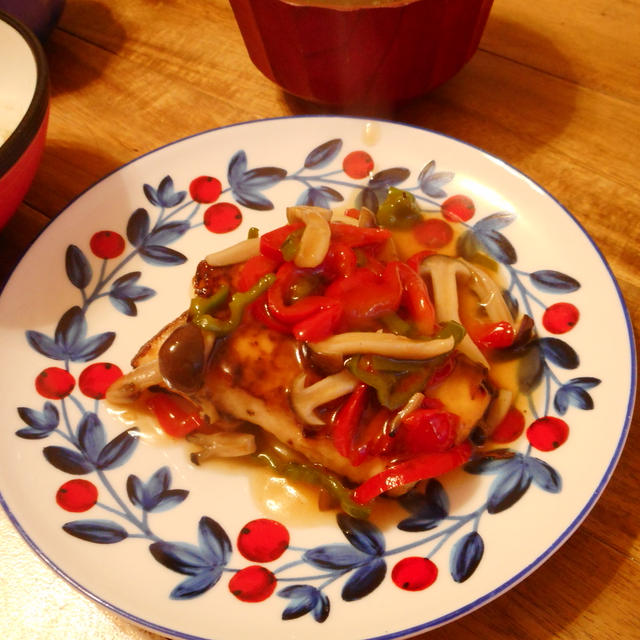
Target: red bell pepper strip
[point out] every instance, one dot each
(354, 236)
(374, 438)
(498, 335)
(272, 241)
(421, 467)
(261, 313)
(365, 296)
(340, 261)
(417, 301)
(347, 421)
(319, 325)
(300, 309)
(253, 269)
(426, 431)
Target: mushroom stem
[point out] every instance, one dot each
(444, 271)
(383, 344)
(306, 400)
(127, 389)
(316, 236)
(234, 254)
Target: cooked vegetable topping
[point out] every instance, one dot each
(347, 338)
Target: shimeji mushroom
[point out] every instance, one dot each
(129, 387)
(239, 252)
(383, 344)
(489, 294)
(315, 239)
(223, 444)
(444, 272)
(305, 400)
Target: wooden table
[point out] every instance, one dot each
(554, 90)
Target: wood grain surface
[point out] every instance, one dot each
(553, 90)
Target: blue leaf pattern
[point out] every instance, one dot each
(167, 233)
(431, 182)
(323, 154)
(554, 281)
(68, 460)
(165, 195)
(77, 267)
(195, 585)
(154, 495)
(214, 541)
(40, 423)
(428, 509)
(305, 599)
(559, 352)
(544, 475)
(116, 452)
(365, 580)
(125, 293)
(180, 557)
(335, 556)
(509, 486)
(138, 227)
(466, 556)
(98, 531)
(91, 436)
(362, 534)
(162, 256)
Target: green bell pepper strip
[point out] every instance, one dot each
(291, 244)
(304, 472)
(329, 482)
(200, 305)
(237, 305)
(395, 380)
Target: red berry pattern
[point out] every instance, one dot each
(414, 574)
(433, 233)
(77, 495)
(97, 378)
(458, 208)
(560, 317)
(205, 189)
(106, 244)
(55, 383)
(263, 540)
(222, 217)
(547, 433)
(357, 164)
(252, 584)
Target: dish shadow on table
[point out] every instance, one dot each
(63, 61)
(488, 101)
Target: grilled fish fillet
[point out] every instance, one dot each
(250, 378)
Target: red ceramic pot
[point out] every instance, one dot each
(24, 110)
(358, 52)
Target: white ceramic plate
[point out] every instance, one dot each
(159, 547)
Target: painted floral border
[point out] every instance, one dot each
(359, 560)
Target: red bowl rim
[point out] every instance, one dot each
(27, 128)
